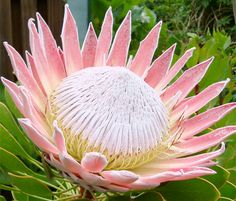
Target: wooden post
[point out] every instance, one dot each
(5, 35)
(28, 10)
(55, 18)
(14, 16)
(234, 10)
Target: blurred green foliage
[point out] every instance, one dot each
(180, 16)
(207, 25)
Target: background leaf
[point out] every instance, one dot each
(228, 190)
(194, 190)
(220, 178)
(9, 123)
(31, 186)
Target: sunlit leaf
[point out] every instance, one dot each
(9, 123)
(11, 163)
(8, 142)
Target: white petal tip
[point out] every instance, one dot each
(193, 48)
(227, 80)
(5, 43)
(31, 21)
(3, 79)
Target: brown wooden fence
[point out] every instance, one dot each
(14, 15)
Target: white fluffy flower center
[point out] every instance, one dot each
(112, 111)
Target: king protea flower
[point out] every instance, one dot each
(110, 124)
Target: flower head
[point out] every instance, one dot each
(110, 124)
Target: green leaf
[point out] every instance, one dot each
(18, 196)
(223, 41)
(31, 186)
(2, 88)
(229, 119)
(2, 198)
(220, 178)
(232, 177)
(219, 70)
(228, 158)
(9, 123)
(11, 163)
(228, 190)
(194, 190)
(4, 177)
(194, 59)
(8, 142)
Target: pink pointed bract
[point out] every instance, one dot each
(110, 124)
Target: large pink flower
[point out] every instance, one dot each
(110, 124)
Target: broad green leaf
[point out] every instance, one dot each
(31, 186)
(208, 50)
(2, 88)
(222, 41)
(11, 163)
(194, 190)
(220, 178)
(11, 105)
(219, 70)
(228, 158)
(8, 142)
(4, 177)
(18, 196)
(232, 177)
(9, 123)
(194, 59)
(228, 190)
(2, 198)
(229, 119)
